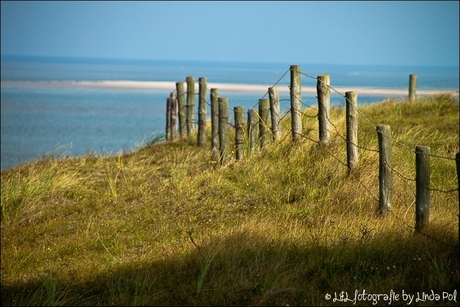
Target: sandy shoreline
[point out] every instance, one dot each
(232, 88)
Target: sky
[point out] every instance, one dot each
(408, 33)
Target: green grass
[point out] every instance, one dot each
(288, 225)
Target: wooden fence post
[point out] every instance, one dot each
(264, 108)
(202, 111)
(412, 86)
(253, 130)
(352, 129)
(173, 115)
(275, 111)
(223, 130)
(385, 169)
(239, 132)
(215, 141)
(422, 187)
(168, 118)
(190, 104)
(181, 109)
(296, 102)
(324, 102)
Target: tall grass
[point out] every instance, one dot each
(285, 226)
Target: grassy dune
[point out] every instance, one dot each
(288, 225)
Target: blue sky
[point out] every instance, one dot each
(368, 33)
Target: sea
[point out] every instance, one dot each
(39, 118)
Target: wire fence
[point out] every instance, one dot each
(408, 180)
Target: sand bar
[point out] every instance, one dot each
(231, 88)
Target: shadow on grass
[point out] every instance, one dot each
(245, 269)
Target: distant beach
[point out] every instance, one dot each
(234, 88)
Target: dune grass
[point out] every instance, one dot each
(288, 225)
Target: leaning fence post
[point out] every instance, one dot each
(352, 129)
(296, 101)
(412, 86)
(215, 141)
(275, 111)
(253, 130)
(264, 107)
(202, 111)
(422, 186)
(182, 109)
(324, 101)
(173, 115)
(168, 119)
(223, 130)
(239, 131)
(385, 169)
(190, 103)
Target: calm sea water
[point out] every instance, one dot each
(72, 121)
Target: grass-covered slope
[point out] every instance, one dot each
(288, 225)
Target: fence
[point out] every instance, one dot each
(263, 127)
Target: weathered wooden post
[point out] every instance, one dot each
(352, 129)
(296, 102)
(324, 102)
(202, 111)
(264, 108)
(181, 109)
(168, 119)
(412, 86)
(215, 141)
(275, 111)
(422, 187)
(190, 104)
(173, 115)
(223, 130)
(253, 130)
(385, 169)
(239, 132)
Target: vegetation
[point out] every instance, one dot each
(164, 225)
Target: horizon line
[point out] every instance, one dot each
(145, 60)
